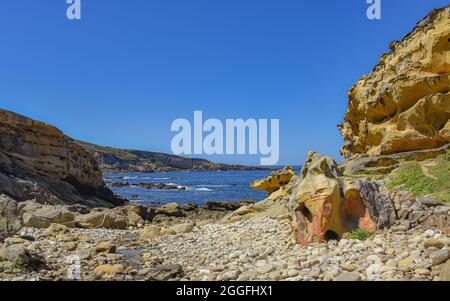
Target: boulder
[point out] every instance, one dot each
(275, 181)
(151, 231)
(170, 209)
(106, 219)
(135, 214)
(183, 228)
(404, 104)
(16, 254)
(44, 216)
(10, 219)
(324, 204)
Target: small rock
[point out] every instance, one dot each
(106, 247)
(265, 269)
(109, 268)
(348, 276)
(183, 228)
(433, 243)
(440, 256)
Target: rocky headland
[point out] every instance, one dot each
(115, 160)
(381, 214)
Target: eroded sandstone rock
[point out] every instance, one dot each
(275, 181)
(324, 204)
(404, 104)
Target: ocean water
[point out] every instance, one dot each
(201, 186)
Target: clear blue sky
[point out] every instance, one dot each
(123, 73)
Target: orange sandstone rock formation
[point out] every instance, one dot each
(275, 181)
(324, 204)
(404, 104)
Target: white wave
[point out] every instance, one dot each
(202, 189)
(198, 188)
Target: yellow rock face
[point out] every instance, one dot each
(275, 181)
(404, 104)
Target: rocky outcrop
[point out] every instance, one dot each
(324, 204)
(10, 219)
(160, 186)
(381, 165)
(37, 161)
(275, 181)
(404, 104)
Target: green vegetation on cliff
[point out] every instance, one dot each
(425, 178)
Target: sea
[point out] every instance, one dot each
(201, 186)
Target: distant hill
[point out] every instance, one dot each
(113, 160)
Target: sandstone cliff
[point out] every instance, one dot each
(37, 161)
(404, 104)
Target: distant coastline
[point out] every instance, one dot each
(117, 160)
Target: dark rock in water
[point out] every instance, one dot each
(37, 161)
(120, 184)
(10, 218)
(161, 186)
(165, 272)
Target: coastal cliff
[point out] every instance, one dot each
(382, 214)
(116, 160)
(38, 162)
(404, 103)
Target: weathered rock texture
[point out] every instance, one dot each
(10, 220)
(404, 104)
(37, 161)
(324, 204)
(275, 181)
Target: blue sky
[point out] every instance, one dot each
(124, 72)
